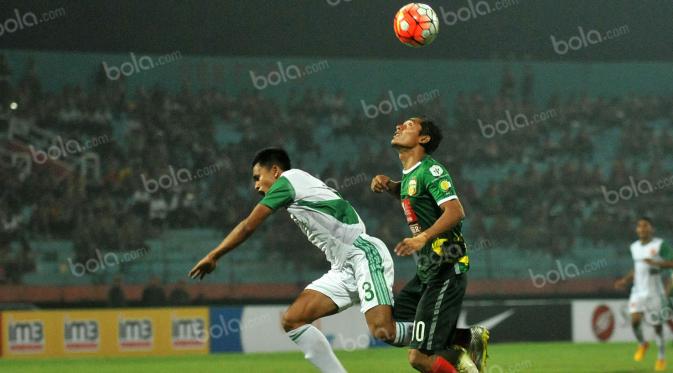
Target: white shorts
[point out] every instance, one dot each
(366, 277)
(653, 306)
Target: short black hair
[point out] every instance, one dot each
(272, 157)
(429, 128)
(647, 219)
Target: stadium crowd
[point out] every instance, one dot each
(538, 186)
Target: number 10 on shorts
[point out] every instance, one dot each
(419, 331)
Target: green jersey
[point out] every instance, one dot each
(424, 187)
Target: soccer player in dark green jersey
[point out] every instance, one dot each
(433, 298)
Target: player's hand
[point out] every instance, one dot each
(203, 267)
(409, 246)
(620, 284)
(380, 183)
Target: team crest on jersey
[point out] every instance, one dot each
(436, 170)
(411, 190)
(445, 185)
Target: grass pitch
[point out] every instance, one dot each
(504, 358)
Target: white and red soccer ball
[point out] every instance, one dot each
(416, 25)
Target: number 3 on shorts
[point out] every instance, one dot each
(419, 331)
(369, 294)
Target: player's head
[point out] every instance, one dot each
(267, 166)
(644, 228)
(417, 132)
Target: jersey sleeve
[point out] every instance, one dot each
(665, 251)
(439, 184)
(281, 194)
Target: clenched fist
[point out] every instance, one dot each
(380, 183)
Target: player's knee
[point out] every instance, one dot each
(291, 322)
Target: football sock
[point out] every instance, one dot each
(661, 344)
(442, 366)
(316, 348)
(452, 356)
(638, 331)
(403, 334)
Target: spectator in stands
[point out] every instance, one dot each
(537, 173)
(179, 295)
(158, 211)
(153, 294)
(5, 84)
(115, 295)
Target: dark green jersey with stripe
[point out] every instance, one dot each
(424, 187)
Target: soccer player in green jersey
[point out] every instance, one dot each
(433, 298)
(361, 265)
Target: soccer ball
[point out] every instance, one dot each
(416, 25)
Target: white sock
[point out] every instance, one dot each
(316, 348)
(661, 344)
(403, 333)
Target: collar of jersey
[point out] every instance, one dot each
(413, 167)
(404, 172)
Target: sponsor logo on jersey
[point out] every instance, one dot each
(409, 211)
(135, 334)
(436, 170)
(438, 246)
(188, 332)
(445, 185)
(412, 219)
(603, 322)
(411, 190)
(26, 336)
(81, 335)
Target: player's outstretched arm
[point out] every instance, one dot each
(381, 183)
(237, 236)
(624, 281)
(452, 214)
(660, 263)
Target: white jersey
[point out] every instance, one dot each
(646, 278)
(329, 221)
